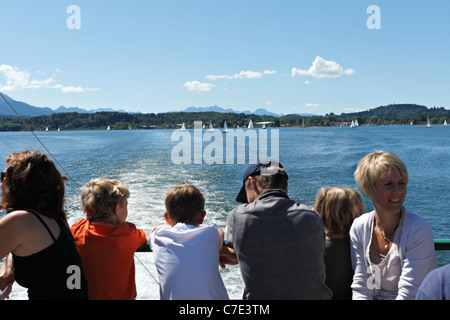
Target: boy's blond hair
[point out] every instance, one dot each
(338, 207)
(100, 197)
(185, 203)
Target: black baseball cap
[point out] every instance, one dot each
(258, 168)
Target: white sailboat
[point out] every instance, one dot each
(183, 128)
(109, 128)
(428, 123)
(225, 127)
(445, 122)
(352, 125)
(211, 128)
(250, 125)
(264, 124)
(46, 129)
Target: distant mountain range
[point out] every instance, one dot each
(27, 110)
(259, 111)
(389, 111)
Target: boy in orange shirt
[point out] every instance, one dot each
(106, 242)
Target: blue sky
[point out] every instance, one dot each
(289, 56)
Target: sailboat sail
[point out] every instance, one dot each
(211, 128)
(250, 124)
(225, 127)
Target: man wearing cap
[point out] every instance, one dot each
(279, 244)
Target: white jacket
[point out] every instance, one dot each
(415, 248)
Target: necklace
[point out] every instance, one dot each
(386, 239)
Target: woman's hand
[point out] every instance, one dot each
(6, 273)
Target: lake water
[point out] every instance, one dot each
(313, 157)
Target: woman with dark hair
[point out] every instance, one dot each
(34, 234)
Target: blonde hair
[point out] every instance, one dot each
(375, 165)
(101, 196)
(338, 207)
(185, 203)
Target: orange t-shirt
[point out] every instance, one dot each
(107, 254)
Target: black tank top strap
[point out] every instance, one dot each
(43, 223)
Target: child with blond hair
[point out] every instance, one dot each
(187, 254)
(338, 207)
(106, 242)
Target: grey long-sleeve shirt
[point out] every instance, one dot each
(280, 248)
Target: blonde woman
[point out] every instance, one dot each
(338, 207)
(392, 247)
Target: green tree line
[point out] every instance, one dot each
(120, 121)
(385, 115)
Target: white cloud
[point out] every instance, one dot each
(242, 75)
(198, 86)
(72, 89)
(352, 110)
(16, 79)
(316, 105)
(19, 80)
(307, 82)
(322, 68)
(269, 71)
(246, 75)
(214, 77)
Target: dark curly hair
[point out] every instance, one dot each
(32, 182)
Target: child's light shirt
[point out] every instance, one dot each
(187, 260)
